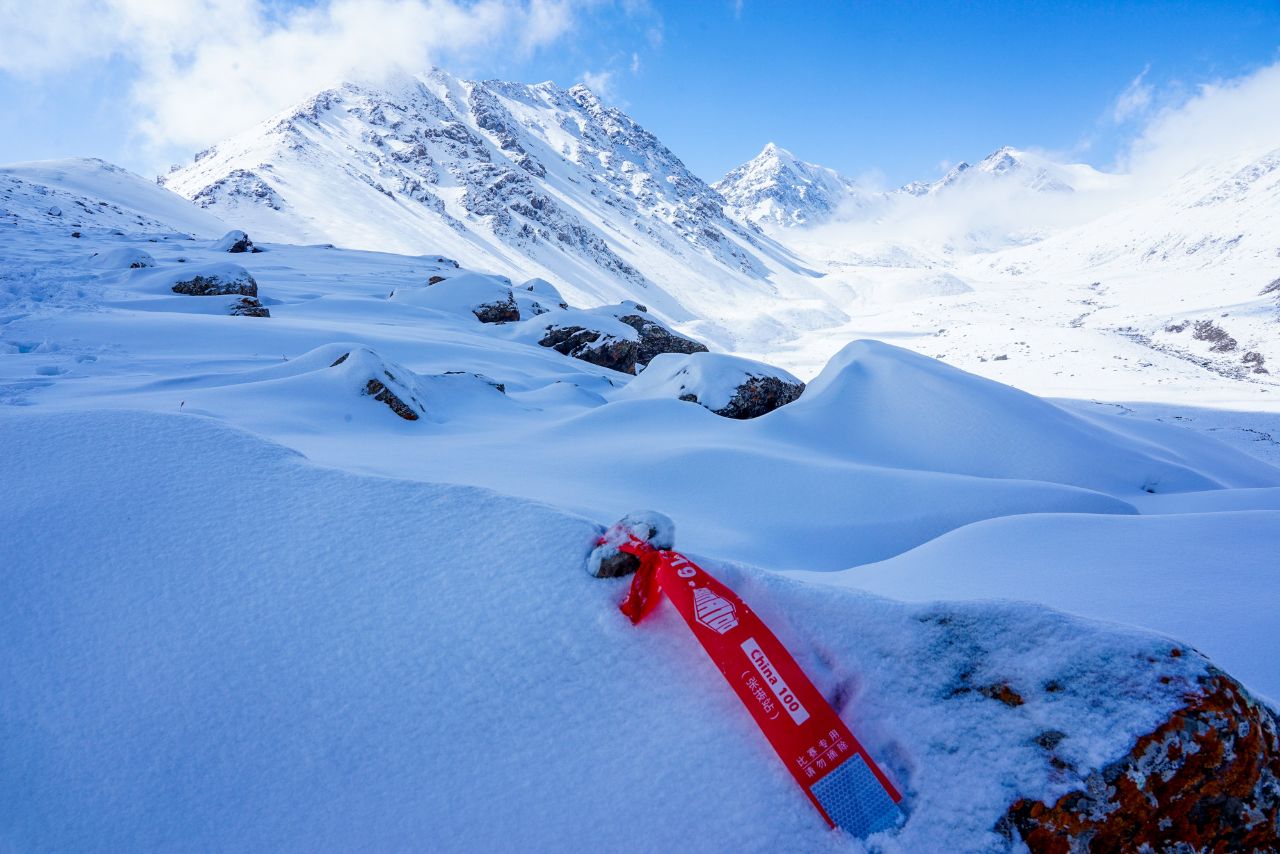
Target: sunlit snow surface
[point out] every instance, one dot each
(245, 605)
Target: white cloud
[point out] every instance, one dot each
(1225, 122)
(210, 68)
(600, 82)
(635, 63)
(1134, 100)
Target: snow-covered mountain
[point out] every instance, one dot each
(1010, 167)
(775, 188)
(525, 180)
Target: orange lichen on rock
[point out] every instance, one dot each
(1208, 779)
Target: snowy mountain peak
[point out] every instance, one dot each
(1019, 169)
(775, 188)
(533, 180)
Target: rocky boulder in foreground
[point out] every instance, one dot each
(1208, 779)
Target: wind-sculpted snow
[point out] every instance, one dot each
(213, 643)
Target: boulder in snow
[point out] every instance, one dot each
(218, 280)
(249, 307)
(618, 337)
(592, 345)
(656, 338)
(384, 382)
(729, 386)
(235, 241)
(1207, 779)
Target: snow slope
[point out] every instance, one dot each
(1210, 579)
(240, 650)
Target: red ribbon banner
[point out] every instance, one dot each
(833, 769)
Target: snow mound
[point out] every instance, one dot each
(122, 258)
(299, 638)
(712, 379)
(1209, 579)
(890, 406)
(486, 298)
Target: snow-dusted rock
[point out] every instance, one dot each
(656, 529)
(235, 241)
(1207, 779)
(384, 381)
(217, 280)
(730, 386)
(249, 307)
(619, 337)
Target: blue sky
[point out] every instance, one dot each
(894, 88)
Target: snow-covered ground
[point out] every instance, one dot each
(234, 574)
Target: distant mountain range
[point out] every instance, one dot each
(527, 180)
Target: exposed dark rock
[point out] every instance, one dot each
(592, 346)
(1220, 341)
(759, 395)
(1256, 361)
(505, 311)
(656, 338)
(1178, 327)
(1208, 779)
(379, 392)
(249, 307)
(435, 280)
(1273, 288)
(236, 241)
(75, 234)
(218, 284)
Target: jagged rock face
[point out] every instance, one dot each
(593, 346)
(655, 339)
(760, 395)
(218, 284)
(1208, 779)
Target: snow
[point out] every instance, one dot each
(248, 604)
(1210, 579)
(241, 650)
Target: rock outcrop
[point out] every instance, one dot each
(656, 338)
(249, 307)
(224, 281)
(729, 386)
(760, 395)
(594, 346)
(235, 241)
(1208, 779)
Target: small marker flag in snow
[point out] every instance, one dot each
(833, 769)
